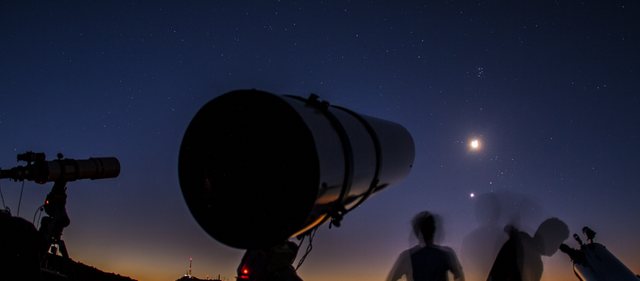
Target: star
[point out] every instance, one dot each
(475, 144)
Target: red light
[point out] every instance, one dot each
(245, 271)
(46, 202)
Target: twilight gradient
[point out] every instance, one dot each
(548, 88)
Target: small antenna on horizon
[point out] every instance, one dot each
(190, 260)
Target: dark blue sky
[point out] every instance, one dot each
(549, 87)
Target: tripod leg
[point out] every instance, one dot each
(63, 250)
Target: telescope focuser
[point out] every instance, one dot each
(589, 233)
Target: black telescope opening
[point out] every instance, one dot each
(248, 169)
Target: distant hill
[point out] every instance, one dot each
(82, 271)
(87, 272)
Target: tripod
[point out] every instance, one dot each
(51, 230)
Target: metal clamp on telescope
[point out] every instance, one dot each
(338, 210)
(34, 253)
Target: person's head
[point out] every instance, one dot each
(424, 224)
(550, 234)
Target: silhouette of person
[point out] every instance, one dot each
(520, 257)
(426, 261)
(481, 246)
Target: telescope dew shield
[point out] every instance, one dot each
(92, 168)
(256, 169)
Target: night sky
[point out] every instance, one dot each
(549, 88)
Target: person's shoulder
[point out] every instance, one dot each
(439, 248)
(412, 250)
(448, 252)
(445, 248)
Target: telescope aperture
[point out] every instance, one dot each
(245, 161)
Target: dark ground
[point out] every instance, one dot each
(82, 272)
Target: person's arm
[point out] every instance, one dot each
(459, 276)
(454, 265)
(401, 267)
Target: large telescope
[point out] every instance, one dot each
(256, 168)
(594, 262)
(42, 171)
